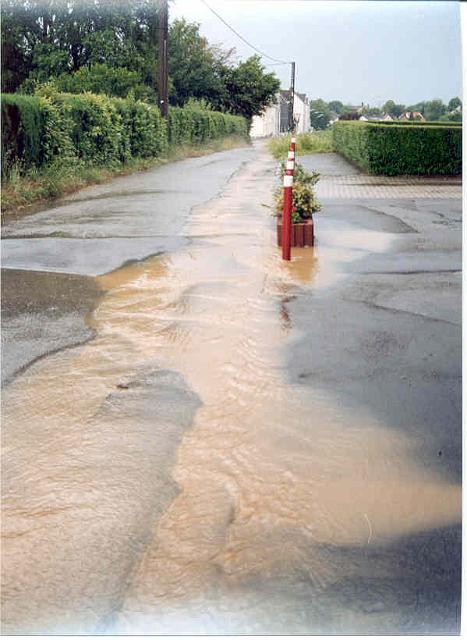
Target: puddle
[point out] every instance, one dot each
(267, 474)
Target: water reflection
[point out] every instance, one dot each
(304, 266)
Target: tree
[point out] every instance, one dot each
(248, 89)
(372, 112)
(455, 116)
(110, 46)
(393, 109)
(336, 106)
(320, 114)
(195, 68)
(434, 109)
(454, 103)
(100, 78)
(44, 38)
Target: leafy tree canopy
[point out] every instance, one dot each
(393, 109)
(336, 106)
(248, 89)
(110, 46)
(434, 109)
(43, 38)
(100, 78)
(454, 103)
(320, 114)
(195, 67)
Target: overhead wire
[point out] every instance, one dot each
(265, 55)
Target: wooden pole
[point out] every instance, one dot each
(163, 84)
(292, 97)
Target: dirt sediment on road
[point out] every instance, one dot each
(279, 508)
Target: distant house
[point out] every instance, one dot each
(378, 117)
(358, 108)
(268, 123)
(275, 119)
(411, 115)
(350, 115)
(301, 111)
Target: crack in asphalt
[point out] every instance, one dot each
(410, 272)
(395, 310)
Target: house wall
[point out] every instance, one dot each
(301, 113)
(268, 124)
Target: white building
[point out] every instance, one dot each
(267, 124)
(301, 111)
(275, 119)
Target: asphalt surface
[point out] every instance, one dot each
(387, 336)
(97, 230)
(381, 335)
(397, 315)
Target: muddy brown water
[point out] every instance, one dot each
(114, 519)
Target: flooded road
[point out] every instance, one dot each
(170, 477)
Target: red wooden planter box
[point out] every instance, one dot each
(302, 233)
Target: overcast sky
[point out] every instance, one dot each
(353, 51)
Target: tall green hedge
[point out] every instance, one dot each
(401, 150)
(194, 125)
(99, 130)
(417, 123)
(23, 129)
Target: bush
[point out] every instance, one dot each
(100, 78)
(311, 142)
(414, 149)
(304, 202)
(23, 130)
(416, 123)
(99, 130)
(351, 140)
(300, 174)
(192, 124)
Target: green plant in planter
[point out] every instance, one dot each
(301, 174)
(304, 202)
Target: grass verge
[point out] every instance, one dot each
(58, 180)
(312, 142)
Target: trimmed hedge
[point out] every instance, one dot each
(418, 123)
(99, 130)
(23, 129)
(401, 150)
(193, 125)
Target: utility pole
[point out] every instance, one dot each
(163, 30)
(292, 97)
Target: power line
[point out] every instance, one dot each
(265, 55)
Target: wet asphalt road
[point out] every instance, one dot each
(94, 231)
(387, 337)
(384, 336)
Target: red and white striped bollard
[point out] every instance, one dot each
(287, 212)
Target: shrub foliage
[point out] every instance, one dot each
(413, 149)
(99, 130)
(304, 201)
(23, 129)
(307, 143)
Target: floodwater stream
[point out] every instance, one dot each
(162, 477)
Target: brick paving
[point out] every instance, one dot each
(364, 186)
